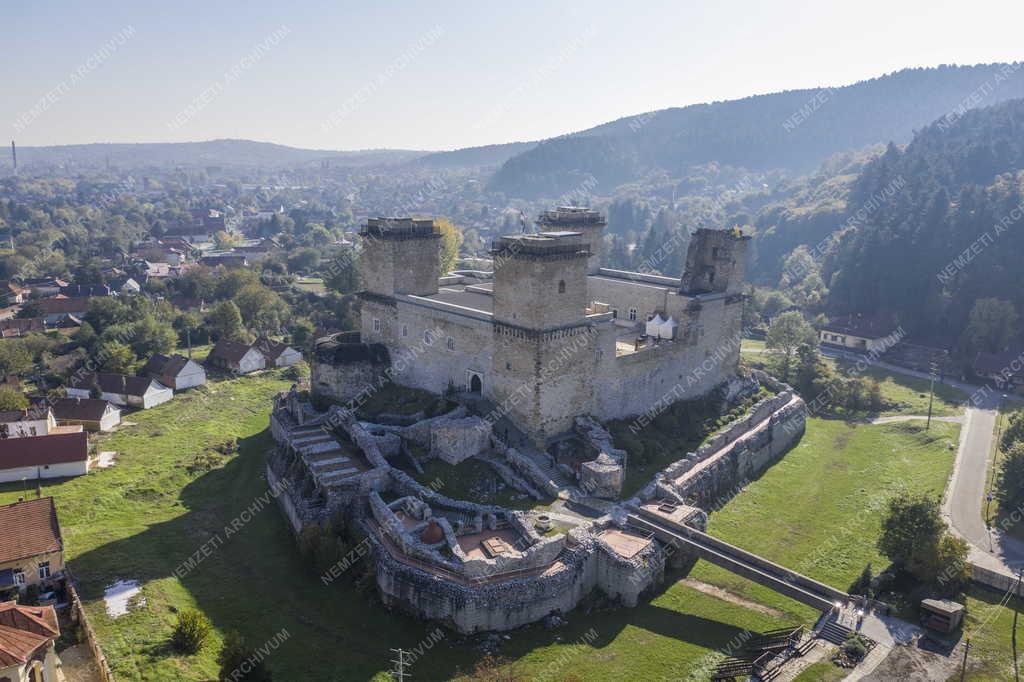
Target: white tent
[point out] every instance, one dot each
(654, 326)
(668, 329)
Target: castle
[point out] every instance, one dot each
(549, 334)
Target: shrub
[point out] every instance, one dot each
(855, 647)
(238, 661)
(191, 631)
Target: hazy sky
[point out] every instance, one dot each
(344, 75)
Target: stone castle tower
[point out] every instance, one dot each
(540, 301)
(586, 221)
(715, 262)
(400, 256)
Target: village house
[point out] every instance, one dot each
(31, 548)
(80, 290)
(858, 332)
(121, 389)
(11, 293)
(55, 310)
(27, 637)
(277, 354)
(92, 414)
(24, 423)
(56, 455)
(39, 287)
(228, 259)
(176, 371)
(236, 357)
(20, 326)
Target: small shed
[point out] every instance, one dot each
(941, 615)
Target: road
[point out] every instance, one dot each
(965, 495)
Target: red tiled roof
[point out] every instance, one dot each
(23, 630)
(54, 448)
(54, 306)
(29, 528)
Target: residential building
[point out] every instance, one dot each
(858, 332)
(175, 371)
(20, 326)
(56, 309)
(92, 414)
(236, 357)
(39, 287)
(24, 423)
(27, 643)
(56, 455)
(277, 354)
(80, 290)
(121, 389)
(31, 548)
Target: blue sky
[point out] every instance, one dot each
(343, 75)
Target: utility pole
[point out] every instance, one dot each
(931, 394)
(963, 665)
(399, 672)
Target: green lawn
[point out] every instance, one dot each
(471, 480)
(990, 628)
(911, 393)
(314, 284)
(142, 518)
(818, 510)
(822, 671)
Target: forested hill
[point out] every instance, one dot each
(233, 153)
(952, 234)
(794, 130)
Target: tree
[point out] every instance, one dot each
(116, 357)
(225, 321)
(190, 631)
(786, 333)
(451, 242)
(239, 661)
(31, 309)
(915, 538)
(991, 326)
(150, 336)
(224, 241)
(11, 400)
(1014, 432)
(1011, 476)
(261, 308)
(15, 357)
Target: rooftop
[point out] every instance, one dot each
(29, 528)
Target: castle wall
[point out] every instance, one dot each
(527, 292)
(624, 294)
(435, 366)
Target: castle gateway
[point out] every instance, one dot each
(548, 334)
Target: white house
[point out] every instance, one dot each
(277, 354)
(120, 389)
(36, 421)
(236, 357)
(56, 455)
(176, 371)
(92, 414)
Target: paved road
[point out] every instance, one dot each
(965, 495)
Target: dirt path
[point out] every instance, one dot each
(726, 595)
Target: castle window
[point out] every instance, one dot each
(561, 286)
(405, 330)
(428, 338)
(714, 253)
(451, 343)
(508, 365)
(632, 314)
(376, 325)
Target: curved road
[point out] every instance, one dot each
(964, 501)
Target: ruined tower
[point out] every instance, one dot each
(715, 262)
(586, 221)
(540, 330)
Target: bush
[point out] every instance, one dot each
(239, 661)
(855, 647)
(191, 631)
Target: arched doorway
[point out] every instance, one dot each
(475, 384)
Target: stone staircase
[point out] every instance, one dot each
(834, 632)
